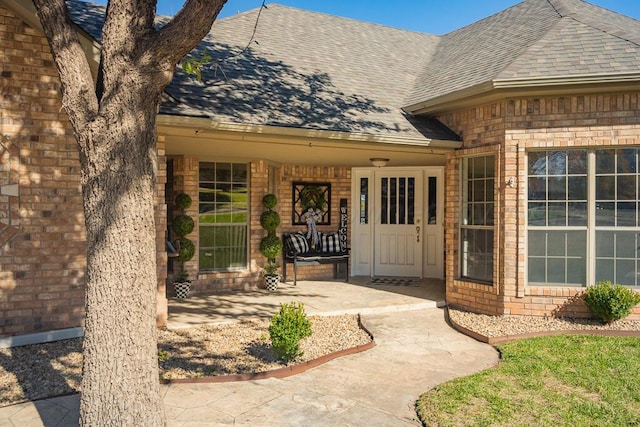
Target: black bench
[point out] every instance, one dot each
(298, 251)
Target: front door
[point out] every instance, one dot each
(398, 223)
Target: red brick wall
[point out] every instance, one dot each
(510, 128)
(42, 267)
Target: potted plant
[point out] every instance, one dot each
(183, 225)
(270, 245)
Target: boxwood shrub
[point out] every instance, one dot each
(610, 302)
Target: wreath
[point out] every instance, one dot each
(312, 196)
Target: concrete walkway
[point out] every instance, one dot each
(416, 350)
(319, 297)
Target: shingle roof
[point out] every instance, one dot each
(305, 70)
(315, 71)
(88, 16)
(536, 39)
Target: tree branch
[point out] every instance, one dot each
(187, 28)
(126, 21)
(78, 93)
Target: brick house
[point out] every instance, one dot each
(512, 150)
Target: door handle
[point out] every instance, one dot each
(418, 233)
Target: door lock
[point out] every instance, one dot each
(418, 233)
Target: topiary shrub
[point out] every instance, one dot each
(186, 249)
(182, 225)
(288, 327)
(270, 220)
(271, 246)
(609, 302)
(270, 201)
(183, 201)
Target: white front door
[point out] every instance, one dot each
(398, 223)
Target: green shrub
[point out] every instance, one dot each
(288, 327)
(270, 220)
(609, 302)
(183, 225)
(271, 268)
(270, 201)
(186, 249)
(183, 201)
(271, 246)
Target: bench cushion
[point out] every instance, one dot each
(322, 258)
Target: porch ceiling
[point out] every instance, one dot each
(294, 146)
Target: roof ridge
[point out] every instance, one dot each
(346, 18)
(494, 15)
(528, 49)
(570, 9)
(239, 14)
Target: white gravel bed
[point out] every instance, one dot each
(53, 369)
(502, 326)
(246, 348)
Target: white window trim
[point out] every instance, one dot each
(247, 224)
(591, 228)
(462, 226)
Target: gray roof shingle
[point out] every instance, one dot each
(572, 48)
(315, 71)
(535, 39)
(310, 70)
(305, 69)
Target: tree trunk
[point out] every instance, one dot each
(120, 384)
(114, 124)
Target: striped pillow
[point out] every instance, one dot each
(330, 242)
(298, 243)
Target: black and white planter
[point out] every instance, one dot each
(271, 281)
(182, 289)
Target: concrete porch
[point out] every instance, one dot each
(318, 297)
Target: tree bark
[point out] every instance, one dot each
(120, 370)
(115, 127)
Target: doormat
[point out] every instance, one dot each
(394, 281)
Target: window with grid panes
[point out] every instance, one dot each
(616, 216)
(582, 216)
(477, 224)
(223, 216)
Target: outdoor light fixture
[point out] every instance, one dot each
(379, 162)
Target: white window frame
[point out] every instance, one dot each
(591, 228)
(464, 178)
(244, 224)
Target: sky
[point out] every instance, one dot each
(427, 16)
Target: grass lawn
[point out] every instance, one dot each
(570, 380)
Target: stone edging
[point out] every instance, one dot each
(281, 372)
(507, 338)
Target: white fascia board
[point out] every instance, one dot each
(586, 79)
(253, 131)
(501, 88)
